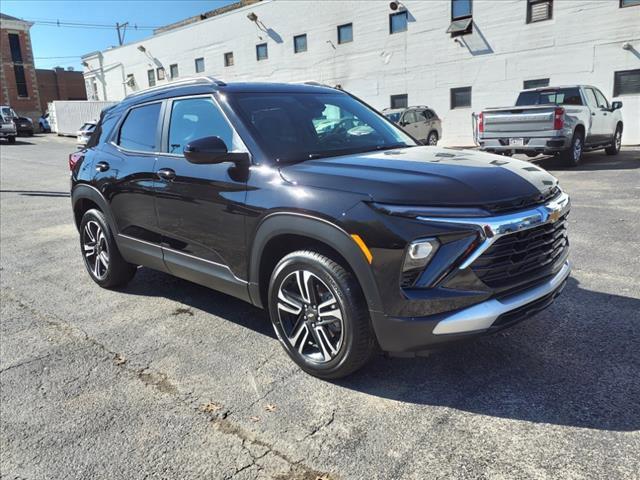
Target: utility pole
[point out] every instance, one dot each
(122, 26)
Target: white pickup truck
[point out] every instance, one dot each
(563, 121)
(7, 125)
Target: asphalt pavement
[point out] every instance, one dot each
(167, 379)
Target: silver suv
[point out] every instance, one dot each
(420, 121)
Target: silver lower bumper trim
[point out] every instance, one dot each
(480, 317)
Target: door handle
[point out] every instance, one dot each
(102, 166)
(593, 114)
(167, 173)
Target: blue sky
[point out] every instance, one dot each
(72, 42)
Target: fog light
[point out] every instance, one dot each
(418, 255)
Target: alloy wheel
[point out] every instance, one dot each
(310, 316)
(95, 249)
(432, 140)
(618, 140)
(577, 149)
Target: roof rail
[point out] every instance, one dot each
(184, 81)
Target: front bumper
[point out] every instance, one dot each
(413, 335)
(7, 133)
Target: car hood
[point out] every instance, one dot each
(430, 176)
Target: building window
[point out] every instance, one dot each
(629, 3)
(228, 59)
(537, 83)
(300, 43)
(160, 72)
(539, 10)
(21, 81)
(398, 22)
(16, 51)
(345, 33)
(461, 18)
(173, 71)
(460, 97)
(151, 75)
(400, 101)
(261, 52)
(626, 82)
(199, 65)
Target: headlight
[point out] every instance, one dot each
(416, 259)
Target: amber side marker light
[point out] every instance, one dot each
(363, 247)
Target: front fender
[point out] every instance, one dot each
(287, 223)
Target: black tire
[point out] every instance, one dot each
(573, 155)
(531, 154)
(432, 139)
(11, 139)
(348, 342)
(94, 230)
(614, 148)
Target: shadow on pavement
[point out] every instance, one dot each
(593, 161)
(576, 364)
(38, 193)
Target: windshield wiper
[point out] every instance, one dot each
(394, 146)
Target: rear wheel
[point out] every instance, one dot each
(573, 156)
(11, 139)
(432, 139)
(319, 314)
(614, 148)
(100, 253)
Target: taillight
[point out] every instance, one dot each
(558, 119)
(481, 122)
(74, 158)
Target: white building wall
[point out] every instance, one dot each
(581, 44)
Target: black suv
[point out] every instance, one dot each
(303, 200)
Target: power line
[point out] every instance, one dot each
(90, 26)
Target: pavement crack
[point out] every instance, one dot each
(25, 362)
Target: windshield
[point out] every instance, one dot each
(394, 117)
(557, 96)
(293, 127)
(8, 112)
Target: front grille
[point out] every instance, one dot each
(523, 256)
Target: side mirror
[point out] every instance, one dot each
(616, 105)
(211, 150)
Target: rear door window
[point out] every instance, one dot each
(139, 130)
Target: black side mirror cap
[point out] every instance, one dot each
(616, 105)
(212, 150)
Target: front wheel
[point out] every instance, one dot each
(11, 139)
(573, 156)
(100, 253)
(319, 314)
(614, 148)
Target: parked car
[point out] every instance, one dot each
(420, 122)
(353, 241)
(84, 133)
(24, 126)
(7, 126)
(563, 121)
(43, 123)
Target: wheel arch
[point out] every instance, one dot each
(85, 197)
(282, 233)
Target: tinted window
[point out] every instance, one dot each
(199, 65)
(300, 43)
(345, 33)
(14, 46)
(398, 22)
(399, 101)
(394, 117)
(557, 96)
(460, 9)
(461, 97)
(537, 83)
(300, 126)
(261, 52)
(103, 130)
(626, 82)
(195, 118)
(602, 101)
(21, 82)
(138, 132)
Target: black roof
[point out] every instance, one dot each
(201, 85)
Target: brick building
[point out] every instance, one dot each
(18, 83)
(26, 89)
(60, 84)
